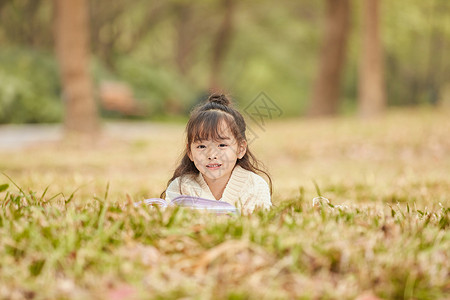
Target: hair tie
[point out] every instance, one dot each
(219, 99)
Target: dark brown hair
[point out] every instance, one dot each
(204, 124)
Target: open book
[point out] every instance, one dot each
(219, 207)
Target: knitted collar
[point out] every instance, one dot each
(236, 183)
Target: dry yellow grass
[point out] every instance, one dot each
(351, 160)
(389, 239)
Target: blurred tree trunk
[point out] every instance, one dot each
(104, 32)
(325, 95)
(2, 4)
(185, 37)
(438, 45)
(72, 49)
(371, 93)
(221, 45)
(108, 35)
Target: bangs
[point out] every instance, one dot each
(208, 125)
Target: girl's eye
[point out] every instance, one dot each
(223, 145)
(201, 147)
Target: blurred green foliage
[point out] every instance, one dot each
(164, 51)
(416, 35)
(155, 86)
(29, 87)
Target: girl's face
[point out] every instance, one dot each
(215, 159)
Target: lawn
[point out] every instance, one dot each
(68, 229)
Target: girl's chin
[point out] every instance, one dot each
(213, 174)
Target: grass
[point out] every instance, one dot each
(68, 229)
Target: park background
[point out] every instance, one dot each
(94, 96)
(166, 56)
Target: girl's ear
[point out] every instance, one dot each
(242, 149)
(189, 153)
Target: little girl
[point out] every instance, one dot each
(217, 163)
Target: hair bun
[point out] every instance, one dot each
(219, 99)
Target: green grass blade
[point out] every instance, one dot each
(317, 188)
(17, 186)
(4, 187)
(43, 194)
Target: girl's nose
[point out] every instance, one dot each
(212, 154)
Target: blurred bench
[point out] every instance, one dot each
(118, 96)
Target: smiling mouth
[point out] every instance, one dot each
(213, 166)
